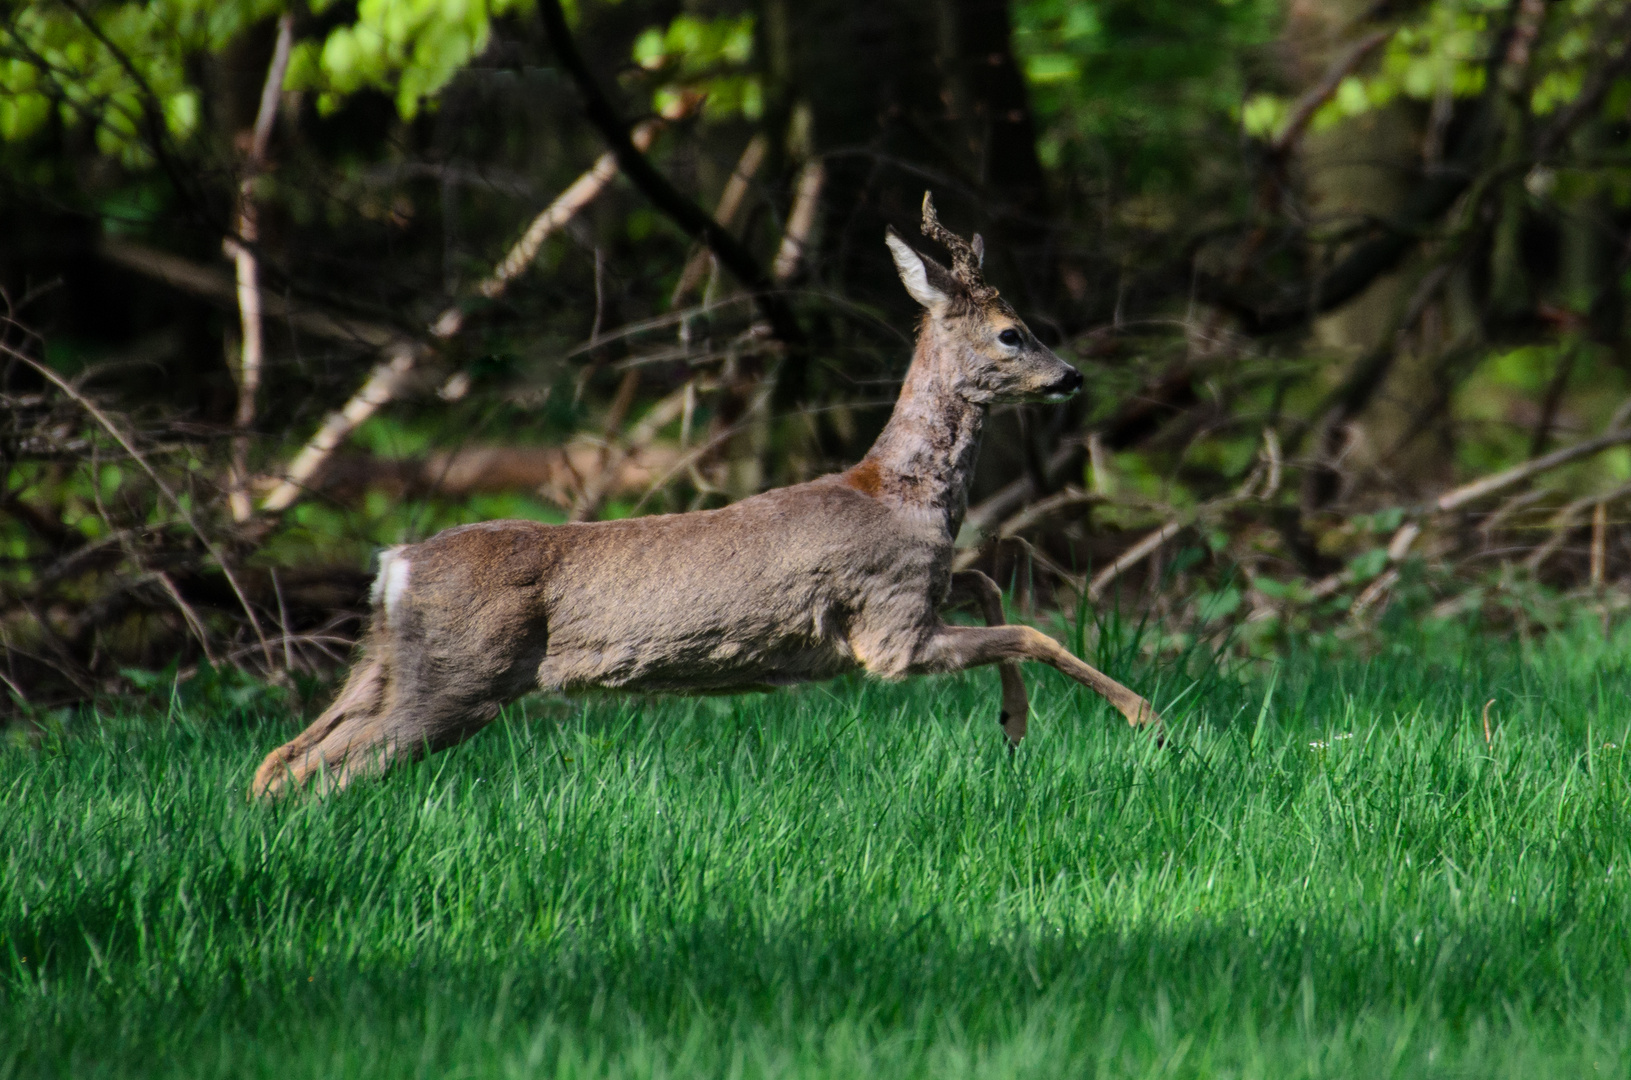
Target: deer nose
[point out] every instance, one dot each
(1066, 385)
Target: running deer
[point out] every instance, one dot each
(801, 583)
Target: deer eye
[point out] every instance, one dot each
(1010, 337)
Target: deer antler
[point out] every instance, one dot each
(966, 257)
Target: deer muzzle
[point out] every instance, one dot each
(1064, 387)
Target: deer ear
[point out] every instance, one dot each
(978, 244)
(913, 274)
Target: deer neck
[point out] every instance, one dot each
(924, 458)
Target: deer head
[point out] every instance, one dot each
(983, 348)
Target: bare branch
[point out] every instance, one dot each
(566, 206)
(1317, 95)
(272, 91)
(383, 384)
(800, 221)
(1132, 557)
(1566, 518)
(239, 248)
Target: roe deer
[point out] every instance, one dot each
(799, 583)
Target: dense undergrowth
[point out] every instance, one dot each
(1327, 871)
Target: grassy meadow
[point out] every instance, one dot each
(1326, 872)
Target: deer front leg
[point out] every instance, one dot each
(971, 586)
(953, 648)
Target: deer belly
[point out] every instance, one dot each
(680, 654)
(725, 667)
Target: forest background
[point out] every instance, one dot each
(283, 284)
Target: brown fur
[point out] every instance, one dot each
(864, 478)
(807, 582)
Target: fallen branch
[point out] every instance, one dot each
(382, 385)
(566, 206)
(1138, 417)
(1372, 593)
(553, 471)
(1267, 467)
(1510, 506)
(1405, 536)
(659, 416)
(1467, 493)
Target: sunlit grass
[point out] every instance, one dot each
(1338, 879)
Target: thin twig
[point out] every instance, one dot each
(201, 280)
(382, 385)
(1563, 521)
(1507, 508)
(1466, 493)
(193, 621)
(688, 461)
(181, 509)
(1372, 593)
(1599, 543)
(283, 621)
(566, 206)
(665, 412)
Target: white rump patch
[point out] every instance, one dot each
(391, 584)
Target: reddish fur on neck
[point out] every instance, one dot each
(865, 478)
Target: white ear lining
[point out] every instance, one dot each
(909, 264)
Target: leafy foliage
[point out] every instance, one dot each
(410, 47)
(1135, 83)
(109, 67)
(702, 58)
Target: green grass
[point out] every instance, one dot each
(855, 880)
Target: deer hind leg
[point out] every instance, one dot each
(369, 745)
(954, 648)
(380, 717)
(359, 703)
(971, 586)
